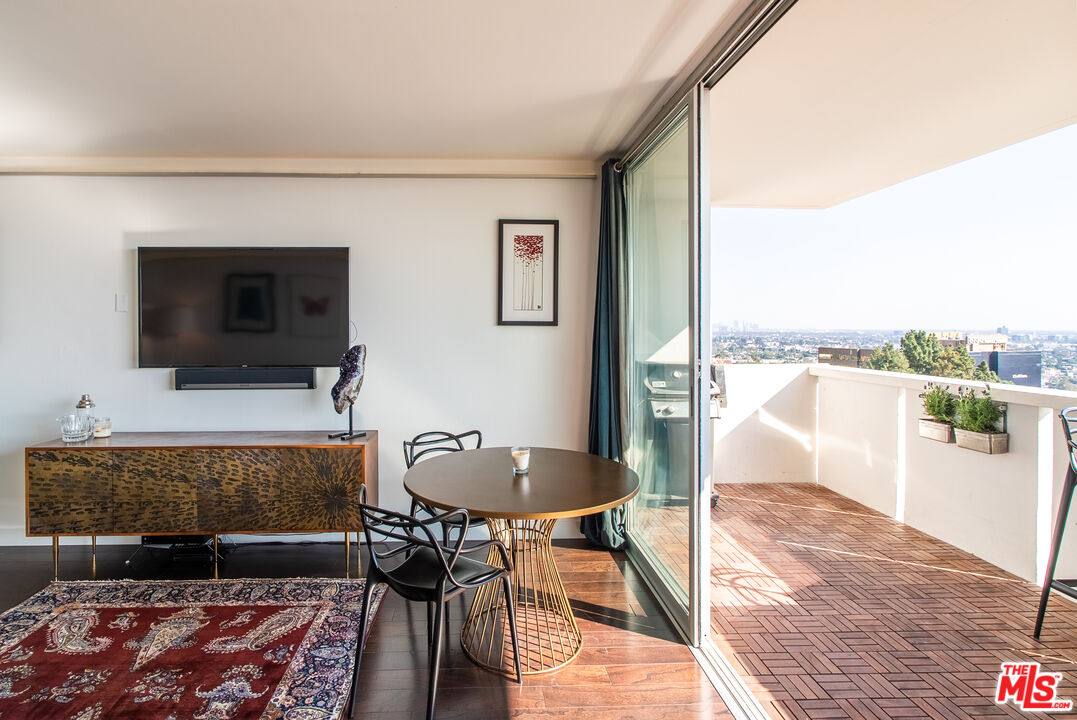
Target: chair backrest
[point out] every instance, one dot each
(438, 441)
(1069, 427)
(398, 535)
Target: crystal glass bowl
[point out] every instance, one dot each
(75, 428)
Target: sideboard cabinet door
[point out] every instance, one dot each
(70, 493)
(239, 490)
(153, 490)
(320, 488)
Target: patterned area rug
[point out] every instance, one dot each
(203, 650)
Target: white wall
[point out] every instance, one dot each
(423, 294)
(767, 432)
(985, 504)
(858, 453)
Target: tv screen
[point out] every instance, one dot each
(242, 306)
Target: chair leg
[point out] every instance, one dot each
(1056, 543)
(429, 624)
(367, 592)
(510, 608)
(435, 657)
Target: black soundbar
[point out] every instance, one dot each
(245, 378)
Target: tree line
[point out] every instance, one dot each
(920, 352)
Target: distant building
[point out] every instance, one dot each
(845, 357)
(973, 342)
(1021, 367)
(1003, 330)
(985, 342)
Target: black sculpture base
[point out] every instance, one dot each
(350, 433)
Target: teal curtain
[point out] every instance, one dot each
(604, 436)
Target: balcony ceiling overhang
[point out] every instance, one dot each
(844, 97)
(486, 80)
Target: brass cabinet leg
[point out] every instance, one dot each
(55, 557)
(347, 554)
(215, 577)
(93, 556)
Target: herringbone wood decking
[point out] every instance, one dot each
(831, 610)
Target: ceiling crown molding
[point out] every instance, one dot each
(303, 167)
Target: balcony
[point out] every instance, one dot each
(859, 570)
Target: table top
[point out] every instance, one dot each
(560, 484)
(206, 439)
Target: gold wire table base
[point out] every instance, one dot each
(548, 635)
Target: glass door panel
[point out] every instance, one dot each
(660, 439)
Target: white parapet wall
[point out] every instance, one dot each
(767, 431)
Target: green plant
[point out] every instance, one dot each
(922, 349)
(954, 362)
(985, 374)
(939, 402)
(976, 413)
(888, 358)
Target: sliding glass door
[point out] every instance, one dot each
(661, 341)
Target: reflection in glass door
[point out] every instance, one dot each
(660, 439)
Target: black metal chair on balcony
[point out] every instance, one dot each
(427, 571)
(1066, 587)
(432, 443)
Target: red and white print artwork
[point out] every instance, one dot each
(527, 272)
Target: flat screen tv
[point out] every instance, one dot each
(242, 306)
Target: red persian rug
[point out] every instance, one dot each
(203, 650)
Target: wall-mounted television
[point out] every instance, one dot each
(242, 306)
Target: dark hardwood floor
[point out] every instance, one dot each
(632, 665)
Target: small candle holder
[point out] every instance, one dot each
(102, 427)
(521, 459)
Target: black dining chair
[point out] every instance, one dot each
(436, 442)
(425, 570)
(426, 445)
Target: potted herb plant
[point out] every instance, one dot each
(940, 404)
(976, 422)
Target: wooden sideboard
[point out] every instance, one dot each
(167, 483)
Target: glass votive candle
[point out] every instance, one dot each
(521, 459)
(102, 427)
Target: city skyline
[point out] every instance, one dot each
(980, 245)
(757, 327)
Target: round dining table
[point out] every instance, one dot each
(520, 511)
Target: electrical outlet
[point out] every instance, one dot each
(122, 303)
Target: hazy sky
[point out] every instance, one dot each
(991, 241)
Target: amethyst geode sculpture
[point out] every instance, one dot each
(352, 367)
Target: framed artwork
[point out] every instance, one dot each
(527, 272)
(250, 303)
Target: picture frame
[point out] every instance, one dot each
(250, 305)
(527, 272)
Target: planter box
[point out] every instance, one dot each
(992, 443)
(935, 430)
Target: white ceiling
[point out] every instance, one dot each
(844, 97)
(338, 78)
